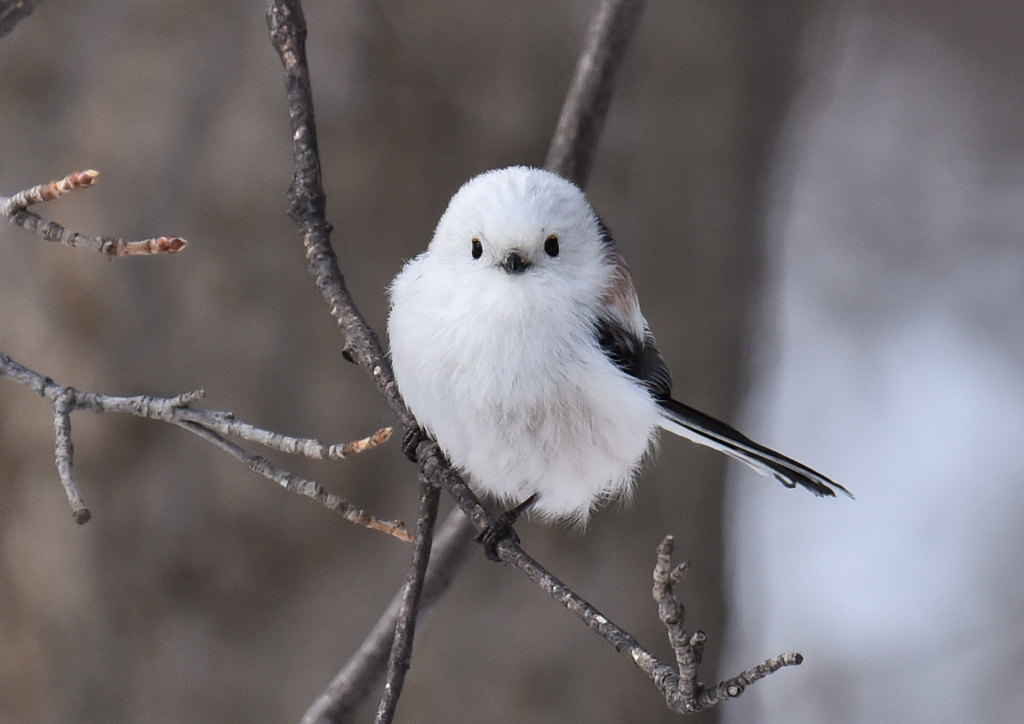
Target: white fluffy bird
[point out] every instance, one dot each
(518, 343)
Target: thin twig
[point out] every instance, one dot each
(405, 629)
(297, 484)
(15, 210)
(64, 452)
(689, 650)
(49, 191)
(361, 674)
(207, 424)
(226, 424)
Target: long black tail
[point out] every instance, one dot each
(703, 429)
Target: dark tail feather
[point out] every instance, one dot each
(703, 429)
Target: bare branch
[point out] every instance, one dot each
(226, 424)
(15, 209)
(671, 683)
(298, 484)
(586, 106)
(683, 693)
(405, 629)
(363, 671)
(50, 191)
(207, 424)
(64, 451)
(308, 207)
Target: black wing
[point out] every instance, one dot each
(641, 359)
(636, 357)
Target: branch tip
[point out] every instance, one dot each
(85, 178)
(15, 209)
(146, 247)
(358, 446)
(679, 573)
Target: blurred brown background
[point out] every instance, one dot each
(199, 592)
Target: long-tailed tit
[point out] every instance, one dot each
(518, 343)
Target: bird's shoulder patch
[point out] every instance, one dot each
(637, 357)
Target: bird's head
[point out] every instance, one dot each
(526, 226)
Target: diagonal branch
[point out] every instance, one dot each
(354, 683)
(571, 153)
(287, 26)
(210, 425)
(683, 694)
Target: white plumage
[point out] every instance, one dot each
(518, 343)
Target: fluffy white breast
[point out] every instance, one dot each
(503, 368)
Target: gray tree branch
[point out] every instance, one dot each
(408, 611)
(571, 155)
(210, 425)
(363, 671)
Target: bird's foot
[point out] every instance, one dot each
(411, 439)
(502, 529)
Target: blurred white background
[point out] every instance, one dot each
(897, 224)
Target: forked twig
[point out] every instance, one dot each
(683, 693)
(15, 209)
(211, 425)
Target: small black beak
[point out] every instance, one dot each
(515, 264)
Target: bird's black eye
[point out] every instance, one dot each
(551, 245)
(478, 249)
